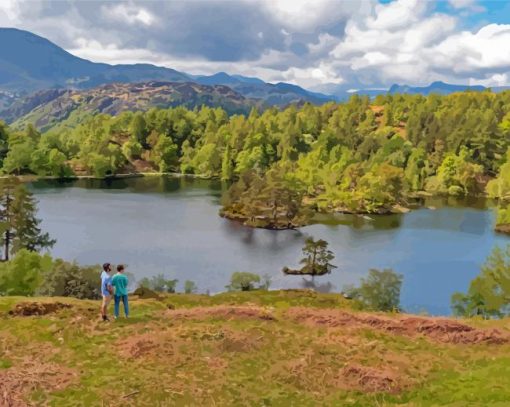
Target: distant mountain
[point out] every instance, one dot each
(30, 63)
(48, 108)
(435, 87)
(341, 92)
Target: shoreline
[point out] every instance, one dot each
(34, 178)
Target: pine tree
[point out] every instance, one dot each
(316, 260)
(19, 226)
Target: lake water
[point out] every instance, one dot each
(171, 225)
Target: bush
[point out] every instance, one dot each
(243, 281)
(71, 280)
(159, 284)
(488, 294)
(24, 273)
(380, 291)
(190, 287)
(30, 273)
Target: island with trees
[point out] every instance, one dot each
(360, 156)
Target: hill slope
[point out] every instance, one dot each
(45, 109)
(29, 63)
(276, 348)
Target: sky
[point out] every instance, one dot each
(318, 44)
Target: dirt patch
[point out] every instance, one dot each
(225, 312)
(438, 329)
(18, 382)
(137, 346)
(26, 309)
(370, 379)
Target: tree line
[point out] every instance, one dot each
(358, 156)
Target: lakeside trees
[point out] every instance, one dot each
(379, 291)
(357, 156)
(19, 226)
(489, 293)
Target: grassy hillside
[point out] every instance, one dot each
(279, 348)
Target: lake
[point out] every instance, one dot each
(171, 226)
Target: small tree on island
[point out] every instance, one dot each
(19, 226)
(317, 260)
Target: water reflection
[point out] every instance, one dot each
(171, 225)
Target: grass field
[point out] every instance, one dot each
(267, 348)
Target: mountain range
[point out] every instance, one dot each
(30, 63)
(44, 84)
(47, 108)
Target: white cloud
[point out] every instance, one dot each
(307, 15)
(471, 5)
(128, 14)
(398, 14)
(110, 53)
(351, 44)
(489, 48)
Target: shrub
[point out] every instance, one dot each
(190, 287)
(24, 273)
(159, 283)
(489, 292)
(243, 281)
(67, 279)
(380, 291)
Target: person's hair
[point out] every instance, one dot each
(120, 267)
(106, 266)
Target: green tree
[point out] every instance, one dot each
(227, 165)
(164, 154)
(243, 281)
(380, 291)
(66, 279)
(489, 293)
(500, 187)
(159, 283)
(24, 274)
(190, 287)
(316, 261)
(19, 226)
(138, 128)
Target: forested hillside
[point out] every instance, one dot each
(356, 156)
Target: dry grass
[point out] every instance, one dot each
(280, 348)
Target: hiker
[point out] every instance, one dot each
(106, 290)
(120, 283)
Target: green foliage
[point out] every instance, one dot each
(24, 274)
(347, 157)
(190, 287)
(30, 273)
(164, 154)
(316, 261)
(489, 293)
(243, 281)
(274, 201)
(159, 283)
(19, 226)
(503, 216)
(380, 291)
(66, 279)
(500, 187)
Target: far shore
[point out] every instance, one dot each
(33, 177)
